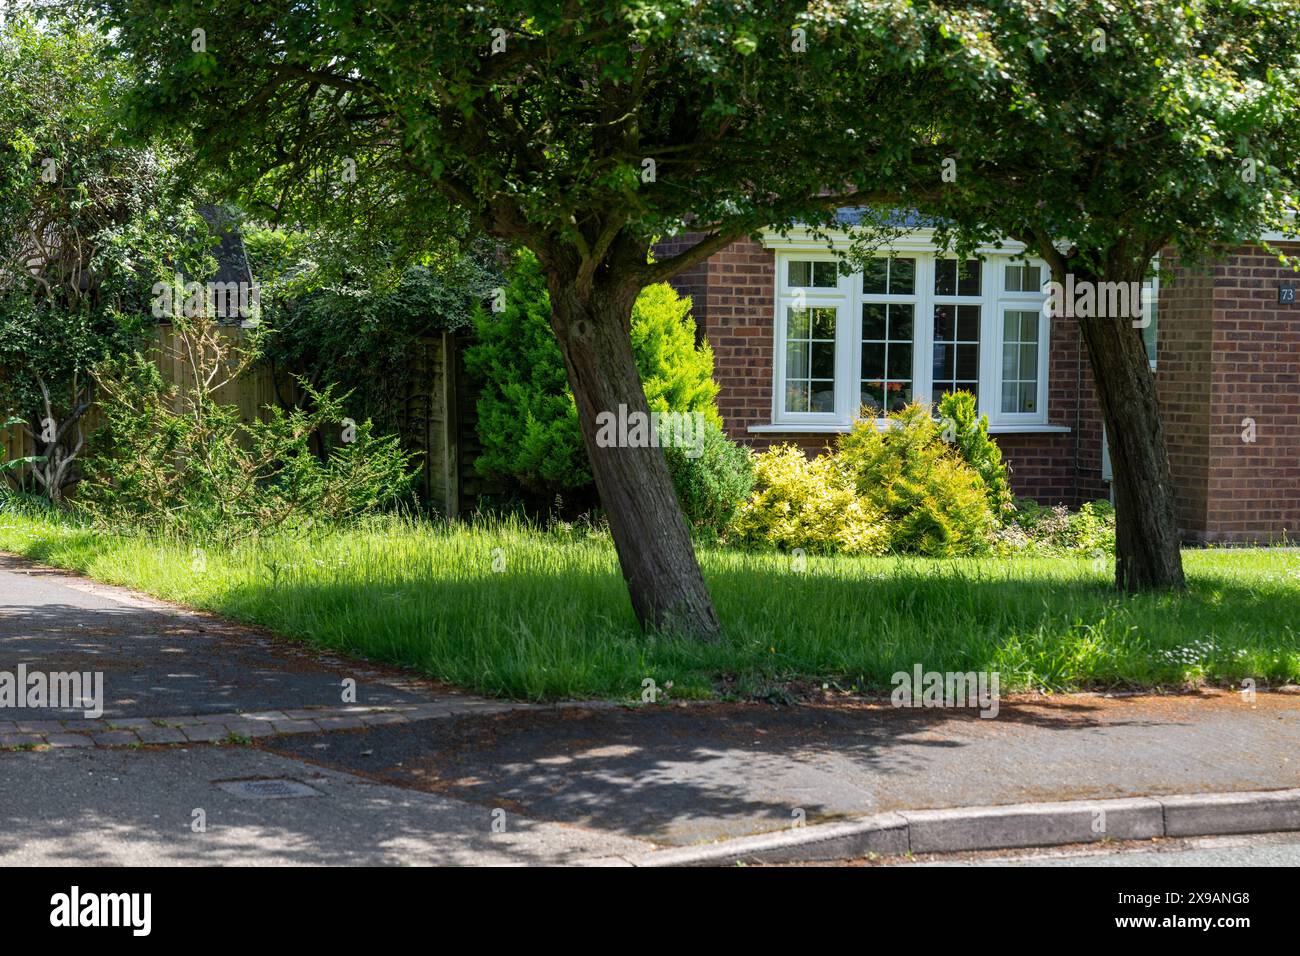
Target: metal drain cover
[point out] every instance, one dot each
(267, 789)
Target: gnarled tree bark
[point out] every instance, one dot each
(591, 314)
(1147, 542)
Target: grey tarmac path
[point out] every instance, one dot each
(679, 776)
(137, 808)
(161, 660)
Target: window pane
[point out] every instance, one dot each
(796, 360)
(810, 354)
(887, 361)
(873, 322)
(968, 323)
(949, 280)
(968, 362)
(902, 276)
(945, 277)
(826, 275)
(823, 360)
(800, 273)
(900, 322)
(899, 394)
(796, 396)
(873, 398)
(945, 358)
(1029, 326)
(874, 277)
(1023, 278)
(1149, 331)
(823, 323)
(945, 323)
(1020, 361)
(1028, 362)
(900, 360)
(873, 360)
(797, 323)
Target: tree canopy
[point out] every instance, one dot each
(579, 130)
(1108, 133)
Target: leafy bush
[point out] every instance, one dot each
(712, 486)
(902, 489)
(1038, 529)
(936, 504)
(677, 375)
(808, 504)
(527, 419)
(970, 436)
(177, 459)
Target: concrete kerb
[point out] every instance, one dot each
(1000, 827)
(211, 728)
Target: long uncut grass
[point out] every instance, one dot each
(509, 610)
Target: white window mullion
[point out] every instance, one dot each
(923, 332)
(989, 399)
(852, 389)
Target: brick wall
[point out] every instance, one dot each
(1183, 370)
(1254, 487)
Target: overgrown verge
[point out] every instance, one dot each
(505, 609)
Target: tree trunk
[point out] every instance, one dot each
(1147, 555)
(593, 326)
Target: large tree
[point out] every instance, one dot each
(580, 130)
(1101, 134)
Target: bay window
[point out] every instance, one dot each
(910, 326)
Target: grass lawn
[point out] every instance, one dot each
(510, 611)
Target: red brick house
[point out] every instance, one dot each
(799, 349)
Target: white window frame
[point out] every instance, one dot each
(922, 274)
(849, 298)
(982, 300)
(1012, 301)
(1155, 318)
(811, 297)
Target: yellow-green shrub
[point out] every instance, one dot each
(935, 503)
(904, 489)
(809, 504)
